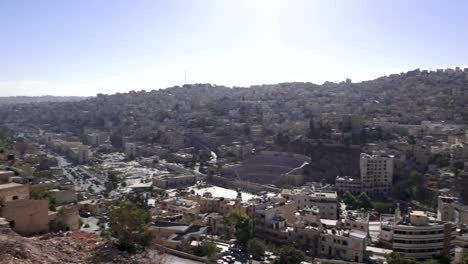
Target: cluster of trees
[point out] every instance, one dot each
(362, 201)
(128, 224)
(440, 160)
(206, 249)
(43, 194)
(411, 187)
(290, 255)
(256, 248)
(112, 181)
(286, 254)
(6, 137)
(238, 225)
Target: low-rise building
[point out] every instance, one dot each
(167, 181)
(172, 234)
(325, 201)
(180, 206)
(65, 196)
(5, 175)
(451, 209)
(344, 244)
(347, 184)
(419, 235)
(14, 191)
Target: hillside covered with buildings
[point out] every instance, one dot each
(334, 173)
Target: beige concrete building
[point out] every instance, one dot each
(27, 217)
(180, 206)
(14, 191)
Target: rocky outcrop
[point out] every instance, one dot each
(60, 248)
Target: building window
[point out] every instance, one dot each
(15, 197)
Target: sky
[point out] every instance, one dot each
(85, 47)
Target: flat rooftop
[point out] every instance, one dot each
(10, 185)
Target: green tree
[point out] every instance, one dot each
(364, 201)
(398, 258)
(290, 255)
(240, 225)
(112, 181)
(440, 259)
(257, 248)
(416, 181)
(43, 194)
(185, 246)
(350, 201)
(127, 223)
(411, 187)
(384, 208)
(208, 248)
(39, 193)
(52, 202)
(465, 259)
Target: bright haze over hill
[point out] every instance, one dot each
(88, 47)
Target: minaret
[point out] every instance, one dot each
(397, 214)
(239, 196)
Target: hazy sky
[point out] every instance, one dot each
(83, 47)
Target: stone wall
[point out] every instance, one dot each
(14, 191)
(27, 217)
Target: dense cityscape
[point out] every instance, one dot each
(349, 172)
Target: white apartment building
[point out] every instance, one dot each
(326, 202)
(376, 174)
(419, 235)
(347, 245)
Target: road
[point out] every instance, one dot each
(82, 178)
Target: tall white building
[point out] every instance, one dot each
(83, 154)
(376, 174)
(130, 150)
